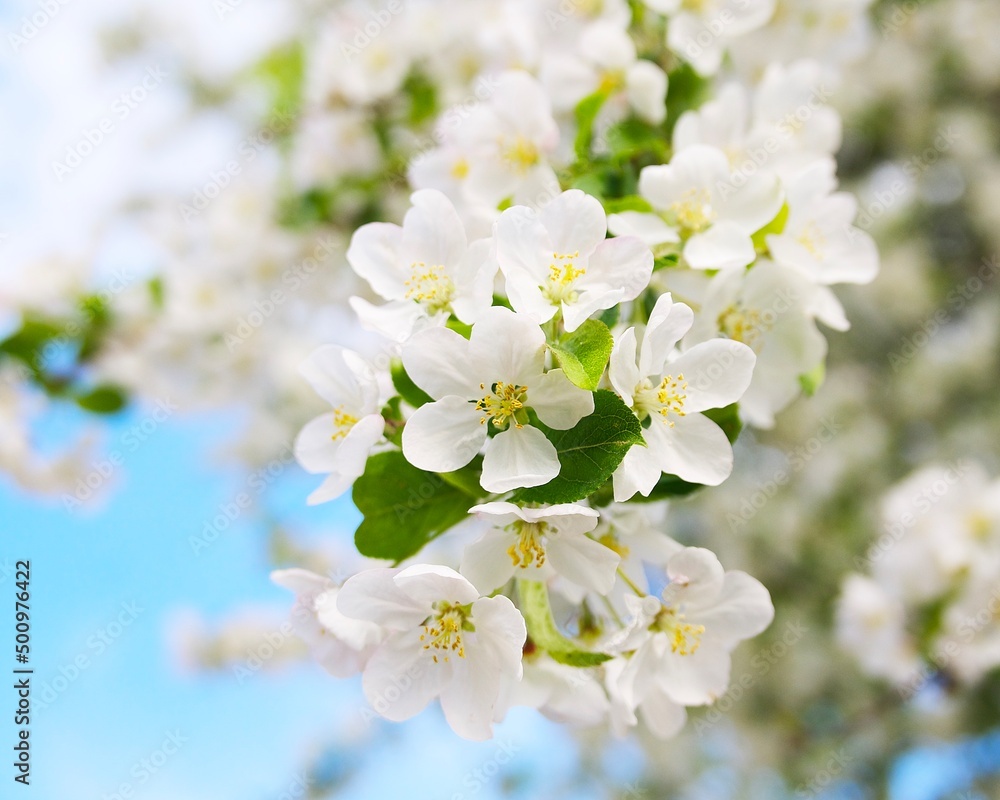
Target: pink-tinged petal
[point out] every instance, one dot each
(694, 449)
(697, 679)
(373, 596)
(624, 263)
(723, 246)
(638, 472)
(575, 222)
(648, 228)
(374, 254)
(486, 562)
(622, 369)
(717, 373)
(427, 584)
(662, 716)
(696, 579)
(507, 347)
(433, 234)
(558, 402)
(341, 377)
(400, 679)
(668, 322)
(443, 436)
(470, 698)
(438, 361)
(516, 458)
(583, 561)
(741, 611)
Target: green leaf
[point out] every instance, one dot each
(632, 202)
(610, 316)
(407, 389)
(589, 452)
(422, 93)
(404, 507)
(584, 353)
(773, 228)
(534, 605)
(465, 331)
(727, 418)
(813, 379)
(586, 114)
(102, 400)
(666, 261)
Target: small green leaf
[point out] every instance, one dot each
(632, 202)
(534, 605)
(584, 353)
(666, 261)
(773, 228)
(610, 316)
(727, 418)
(813, 379)
(588, 452)
(404, 507)
(465, 331)
(586, 115)
(102, 400)
(407, 389)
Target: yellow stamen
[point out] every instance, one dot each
(342, 423)
(694, 212)
(528, 549)
(743, 325)
(685, 638)
(664, 399)
(430, 286)
(520, 153)
(443, 631)
(563, 273)
(502, 403)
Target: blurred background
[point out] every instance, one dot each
(167, 168)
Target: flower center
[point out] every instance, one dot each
(611, 541)
(664, 399)
(528, 549)
(505, 401)
(693, 212)
(693, 6)
(460, 169)
(563, 273)
(813, 240)
(342, 423)
(443, 630)
(743, 325)
(521, 153)
(685, 638)
(430, 286)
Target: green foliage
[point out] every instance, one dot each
(773, 228)
(404, 507)
(283, 71)
(586, 115)
(407, 389)
(534, 605)
(104, 399)
(589, 452)
(813, 379)
(584, 353)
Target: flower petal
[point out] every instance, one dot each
(443, 436)
(374, 255)
(438, 361)
(558, 402)
(717, 373)
(427, 584)
(486, 563)
(518, 457)
(583, 561)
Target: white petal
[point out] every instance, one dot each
(474, 279)
(507, 347)
(400, 679)
(469, 700)
(522, 244)
(583, 561)
(500, 630)
(315, 448)
(695, 449)
(697, 679)
(372, 595)
(646, 89)
(486, 563)
(443, 436)
(332, 487)
(575, 222)
(743, 609)
(622, 370)
(432, 231)
(518, 457)
(753, 205)
(723, 246)
(662, 716)
(341, 377)
(696, 578)
(649, 228)
(638, 472)
(717, 373)
(668, 322)
(438, 361)
(624, 263)
(374, 255)
(396, 320)
(426, 584)
(558, 402)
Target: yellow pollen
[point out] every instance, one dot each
(665, 399)
(502, 403)
(611, 81)
(694, 6)
(521, 153)
(813, 240)
(743, 325)
(460, 169)
(563, 274)
(693, 213)
(685, 638)
(443, 632)
(342, 423)
(611, 541)
(430, 286)
(528, 548)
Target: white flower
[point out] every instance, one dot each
(443, 640)
(769, 308)
(559, 259)
(532, 543)
(819, 238)
(340, 644)
(605, 59)
(700, 31)
(489, 381)
(698, 202)
(561, 693)
(667, 396)
(338, 443)
(680, 647)
(661, 715)
(426, 268)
